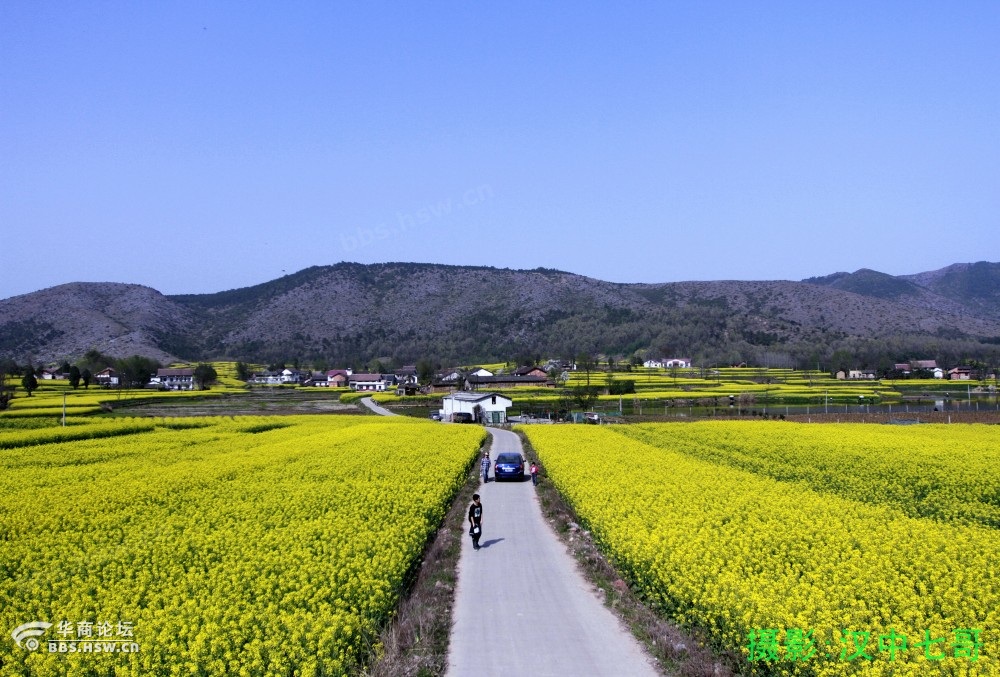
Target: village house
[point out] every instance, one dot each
(439, 387)
(407, 375)
(317, 379)
(960, 373)
(453, 375)
(180, 378)
(371, 382)
(337, 378)
(489, 408)
(907, 368)
(512, 381)
(668, 363)
(479, 371)
(268, 378)
(531, 371)
(106, 378)
(407, 389)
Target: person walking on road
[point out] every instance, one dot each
(475, 521)
(534, 473)
(485, 467)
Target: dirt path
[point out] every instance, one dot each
(522, 607)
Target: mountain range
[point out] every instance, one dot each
(351, 313)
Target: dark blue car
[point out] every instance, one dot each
(509, 466)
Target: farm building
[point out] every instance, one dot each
(181, 378)
(483, 407)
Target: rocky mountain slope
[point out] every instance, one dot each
(351, 312)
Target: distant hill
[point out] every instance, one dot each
(348, 313)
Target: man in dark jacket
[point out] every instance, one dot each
(475, 521)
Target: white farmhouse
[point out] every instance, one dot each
(489, 408)
(175, 379)
(371, 382)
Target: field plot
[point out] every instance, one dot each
(812, 550)
(245, 546)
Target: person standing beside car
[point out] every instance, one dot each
(475, 521)
(485, 467)
(534, 473)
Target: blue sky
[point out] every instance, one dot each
(198, 147)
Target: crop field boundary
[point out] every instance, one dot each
(415, 642)
(676, 652)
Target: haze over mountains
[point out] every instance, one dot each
(350, 313)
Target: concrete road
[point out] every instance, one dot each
(522, 607)
(381, 411)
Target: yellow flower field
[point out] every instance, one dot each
(243, 546)
(797, 572)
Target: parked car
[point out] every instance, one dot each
(435, 416)
(462, 417)
(509, 465)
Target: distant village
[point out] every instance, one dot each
(404, 381)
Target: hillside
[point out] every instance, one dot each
(349, 313)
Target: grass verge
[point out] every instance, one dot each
(677, 652)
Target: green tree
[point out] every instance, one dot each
(74, 377)
(242, 371)
(95, 360)
(6, 391)
(135, 371)
(584, 396)
(204, 375)
(586, 362)
(86, 377)
(841, 360)
(28, 381)
(425, 371)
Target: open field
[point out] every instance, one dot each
(814, 541)
(244, 545)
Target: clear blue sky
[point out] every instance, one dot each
(198, 147)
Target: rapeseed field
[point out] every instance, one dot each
(244, 546)
(810, 549)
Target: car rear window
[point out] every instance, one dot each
(505, 458)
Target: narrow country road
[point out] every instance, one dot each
(522, 607)
(381, 411)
